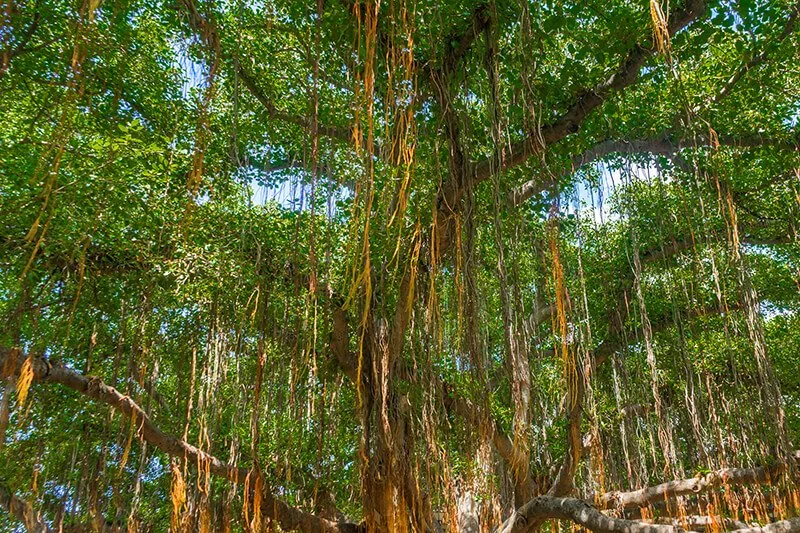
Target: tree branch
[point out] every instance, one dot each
(502, 443)
(546, 508)
(784, 526)
(587, 100)
(755, 60)
(696, 485)
(340, 349)
(23, 42)
(250, 83)
(289, 518)
(207, 32)
(23, 511)
(10, 53)
(479, 21)
(703, 522)
(565, 478)
(535, 186)
(658, 146)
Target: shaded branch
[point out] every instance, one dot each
(250, 83)
(7, 54)
(657, 146)
(564, 483)
(22, 511)
(784, 526)
(207, 32)
(479, 21)
(502, 443)
(535, 186)
(619, 339)
(25, 39)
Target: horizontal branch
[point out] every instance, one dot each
(784, 526)
(656, 146)
(288, 517)
(697, 521)
(250, 83)
(696, 485)
(545, 508)
(618, 340)
(535, 186)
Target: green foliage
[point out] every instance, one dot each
(113, 265)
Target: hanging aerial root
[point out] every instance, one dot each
(126, 453)
(660, 28)
(207, 32)
(564, 481)
(562, 302)
(24, 381)
(177, 493)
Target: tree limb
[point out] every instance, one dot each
(479, 21)
(658, 146)
(502, 443)
(535, 186)
(546, 508)
(695, 521)
(206, 30)
(21, 510)
(288, 517)
(587, 100)
(695, 485)
(755, 60)
(784, 526)
(250, 83)
(26, 37)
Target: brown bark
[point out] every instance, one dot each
(22, 510)
(544, 508)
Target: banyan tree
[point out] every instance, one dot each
(396, 265)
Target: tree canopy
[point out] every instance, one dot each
(389, 265)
